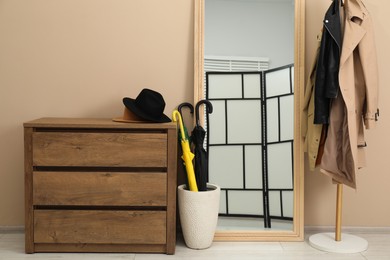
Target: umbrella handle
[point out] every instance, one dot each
(177, 117)
(209, 109)
(185, 104)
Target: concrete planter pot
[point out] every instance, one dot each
(198, 213)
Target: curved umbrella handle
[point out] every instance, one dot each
(209, 108)
(177, 117)
(185, 104)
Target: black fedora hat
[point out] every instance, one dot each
(148, 105)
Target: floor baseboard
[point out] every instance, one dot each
(309, 229)
(11, 229)
(361, 230)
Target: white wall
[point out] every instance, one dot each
(250, 29)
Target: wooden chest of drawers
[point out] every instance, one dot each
(93, 185)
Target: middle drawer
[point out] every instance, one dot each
(100, 188)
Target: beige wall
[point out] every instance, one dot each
(79, 58)
(76, 58)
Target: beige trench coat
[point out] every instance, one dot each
(358, 102)
(310, 131)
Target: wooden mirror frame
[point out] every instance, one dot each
(299, 70)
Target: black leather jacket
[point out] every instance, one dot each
(327, 75)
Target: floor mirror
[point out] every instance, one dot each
(249, 63)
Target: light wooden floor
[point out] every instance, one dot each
(12, 247)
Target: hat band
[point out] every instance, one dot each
(128, 115)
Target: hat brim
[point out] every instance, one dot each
(122, 120)
(130, 104)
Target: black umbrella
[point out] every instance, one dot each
(197, 138)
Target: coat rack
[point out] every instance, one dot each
(338, 242)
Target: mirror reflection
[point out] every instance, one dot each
(248, 64)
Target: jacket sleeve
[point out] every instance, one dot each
(367, 52)
(306, 112)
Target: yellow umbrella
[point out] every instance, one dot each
(187, 154)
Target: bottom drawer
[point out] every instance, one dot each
(100, 226)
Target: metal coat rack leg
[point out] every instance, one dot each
(338, 242)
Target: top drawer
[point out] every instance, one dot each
(99, 149)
